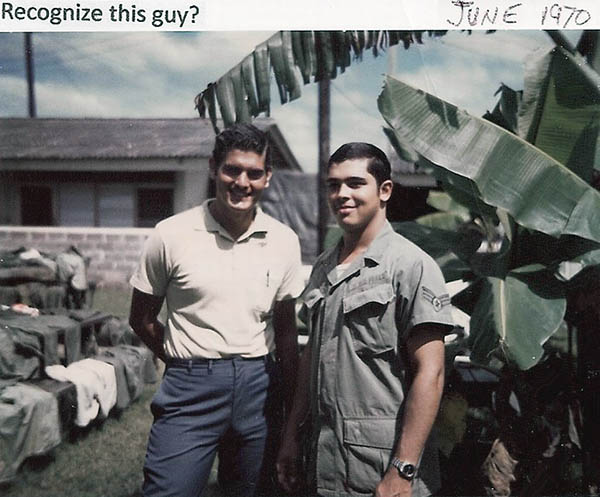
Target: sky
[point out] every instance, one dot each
(158, 74)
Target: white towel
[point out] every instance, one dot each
(96, 385)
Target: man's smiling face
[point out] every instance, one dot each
(353, 194)
(240, 180)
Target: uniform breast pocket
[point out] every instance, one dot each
(369, 317)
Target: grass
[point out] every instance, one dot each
(114, 300)
(105, 459)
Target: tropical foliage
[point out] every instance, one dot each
(245, 90)
(533, 188)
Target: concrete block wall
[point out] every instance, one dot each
(113, 252)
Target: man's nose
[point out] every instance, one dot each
(343, 191)
(242, 179)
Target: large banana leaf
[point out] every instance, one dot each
(242, 111)
(261, 72)
(493, 164)
(282, 60)
(206, 101)
(515, 316)
(560, 111)
(249, 79)
(226, 99)
(401, 147)
(301, 60)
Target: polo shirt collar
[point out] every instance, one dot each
(207, 222)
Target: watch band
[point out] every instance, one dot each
(405, 469)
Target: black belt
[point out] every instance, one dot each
(175, 361)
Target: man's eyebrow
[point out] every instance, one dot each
(349, 178)
(243, 167)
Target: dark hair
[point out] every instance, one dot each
(245, 137)
(378, 165)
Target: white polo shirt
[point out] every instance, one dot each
(219, 292)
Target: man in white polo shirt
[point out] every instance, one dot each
(230, 275)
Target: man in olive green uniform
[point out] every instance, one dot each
(377, 310)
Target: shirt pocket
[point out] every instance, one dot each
(369, 318)
(368, 446)
(264, 284)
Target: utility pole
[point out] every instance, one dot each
(29, 70)
(324, 151)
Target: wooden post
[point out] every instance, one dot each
(324, 152)
(29, 69)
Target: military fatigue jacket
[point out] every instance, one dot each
(358, 324)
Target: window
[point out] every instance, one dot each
(115, 205)
(76, 204)
(95, 198)
(153, 204)
(36, 206)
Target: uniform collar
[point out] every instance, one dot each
(379, 245)
(206, 222)
(374, 254)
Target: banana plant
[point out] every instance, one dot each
(244, 91)
(534, 187)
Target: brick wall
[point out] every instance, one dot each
(114, 252)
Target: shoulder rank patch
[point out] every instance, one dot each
(438, 302)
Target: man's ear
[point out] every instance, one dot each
(268, 173)
(385, 190)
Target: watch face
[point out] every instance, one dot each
(405, 469)
(409, 470)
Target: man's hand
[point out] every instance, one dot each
(393, 485)
(288, 464)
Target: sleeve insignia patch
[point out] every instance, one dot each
(438, 302)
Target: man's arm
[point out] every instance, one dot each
(425, 348)
(289, 452)
(286, 346)
(143, 319)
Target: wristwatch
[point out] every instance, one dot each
(405, 469)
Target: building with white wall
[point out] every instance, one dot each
(109, 172)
